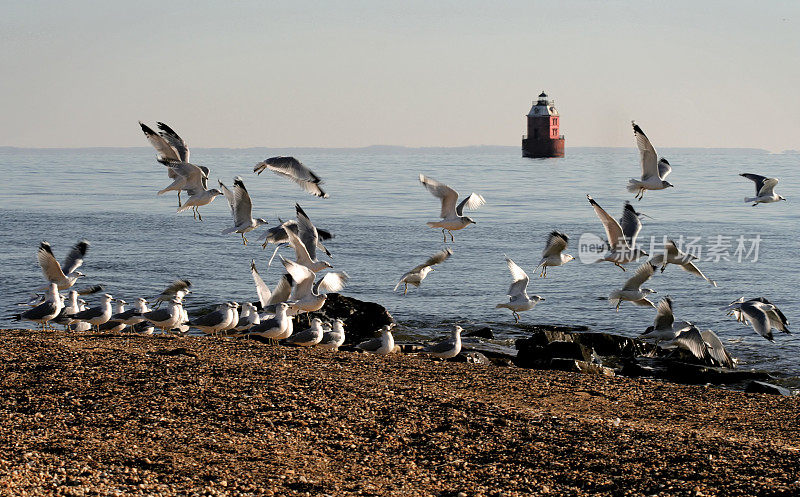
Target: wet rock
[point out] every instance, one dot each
(484, 332)
(764, 387)
(574, 366)
(694, 374)
(362, 320)
(472, 357)
(538, 353)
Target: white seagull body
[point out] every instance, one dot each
(195, 182)
(308, 337)
(621, 235)
(765, 187)
(415, 275)
(334, 338)
(306, 294)
(453, 218)
(166, 319)
(278, 327)
(241, 209)
(632, 291)
(47, 310)
(446, 349)
(553, 253)
(664, 328)
(96, 316)
(654, 170)
(518, 299)
(381, 345)
(293, 169)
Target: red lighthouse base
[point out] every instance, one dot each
(548, 147)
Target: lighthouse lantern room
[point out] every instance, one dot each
(543, 138)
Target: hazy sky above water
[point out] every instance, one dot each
(416, 73)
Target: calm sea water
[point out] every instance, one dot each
(378, 212)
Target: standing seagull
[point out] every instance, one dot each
(334, 338)
(293, 169)
(518, 299)
(309, 337)
(553, 255)
(415, 276)
(673, 255)
(452, 215)
(276, 328)
(96, 316)
(621, 236)
(45, 311)
(381, 345)
(764, 189)
(64, 276)
(241, 209)
(446, 349)
(632, 291)
(166, 319)
(654, 170)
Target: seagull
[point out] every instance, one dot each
(247, 318)
(267, 299)
(621, 235)
(415, 276)
(177, 289)
(654, 170)
(276, 328)
(303, 255)
(71, 306)
(81, 326)
(96, 315)
(241, 209)
(632, 290)
(452, 215)
(518, 299)
(664, 328)
(306, 293)
(171, 149)
(309, 337)
(553, 255)
(64, 276)
(763, 316)
(673, 255)
(132, 316)
(213, 322)
(45, 311)
(311, 235)
(446, 349)
(719, 355)
(691, 340)
(381, 345)
(114, 324)
(764, 189)
(195, 182)
(334, 338)
(233, 317)
(166, 319)
(293, 169)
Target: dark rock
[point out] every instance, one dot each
(472, 357)
(569, 350)
(608, 344)
(484, 332)
(409, 348)
(694, 374)
(579, 367)
(362, 320)
(538, 353)
(763, 387)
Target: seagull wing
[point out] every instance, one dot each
(556, 243)
(50, 266)
(300, 250)
(230, 197)
(175, 141)
(165, 151)
(243, 213)
(294, 170)
(664, 168)
(781, 317)
(307, 232)
(519, 283)
(175, 287)
(192, 176)
(437, 258)
(692, 341)
(689, 267)
(642, 274)
(648, 158)
(331, 282)
(447, 195)
(441, 347)
(264, 294)
(472, 202)
(75, 257)
(614, 232)
(717, 350)
(282, 290)
(630, 223)
(664, 315)
(303, 277)
(758, 180)
(756, 313)
(768, 188)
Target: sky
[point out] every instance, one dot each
(415, 73)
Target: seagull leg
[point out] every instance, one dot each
(244, 240)
(194, 213)
(451, 236)
(198, 213)
(619, 266)
(516, 316)
(444, 237)
(405, 288)
(179, 198)
(618, 304)
(663, 268)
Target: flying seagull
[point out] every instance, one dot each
(195, 182)
(306, 293)
(764, 189)
(664, 328)
(632, 291)
(293, 169)
(654, 170)
(62, 275)
(453, 217)
(415, 276)
(621, 235)
(673, 255)
(762, 314)
(518, 299)
(241, 209)
(553, 253)
(177, 289)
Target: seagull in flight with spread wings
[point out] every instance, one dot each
(765, 187)
(296, 171)
(621, 235)
(453, 217)
(654, 170)
(415, 276)
(553, 253)
(518, 299)
(241, 209)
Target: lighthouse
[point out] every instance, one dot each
(543, 138)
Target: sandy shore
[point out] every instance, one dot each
(105, 415)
